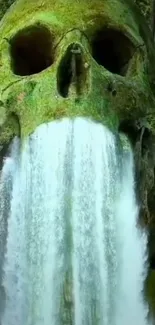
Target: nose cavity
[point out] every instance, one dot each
(72, 75)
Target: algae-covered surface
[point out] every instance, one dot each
(30, 97)
(150, 291)
(34, 98)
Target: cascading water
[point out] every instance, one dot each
(71, 249)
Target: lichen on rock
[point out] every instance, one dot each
(81, 58)
(146, 7)
(4, 5)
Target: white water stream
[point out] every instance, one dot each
(71, 252)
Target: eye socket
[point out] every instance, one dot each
(31, 50)
(113, 50)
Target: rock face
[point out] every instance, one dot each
(4, 5)
(146, 7)
(89, 58)
(104, 48)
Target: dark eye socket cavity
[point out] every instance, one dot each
(31, 50)
(113, 50)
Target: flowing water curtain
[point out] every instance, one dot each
(80, 264)
(119, 93)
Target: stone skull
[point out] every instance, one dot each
(80, 58)
(74, 58)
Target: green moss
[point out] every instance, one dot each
(107, 98)
(35, 99)
(68, 15)
(9, 130)
(4, 5)
(146, 7)
(150, 291)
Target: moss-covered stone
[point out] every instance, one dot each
(28, 99)
(146, 7)
(150, 291)
(35, 98)
(4, 5)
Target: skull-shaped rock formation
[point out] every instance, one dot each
(91, 58)
(59, 59)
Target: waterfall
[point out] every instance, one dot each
(72, 253)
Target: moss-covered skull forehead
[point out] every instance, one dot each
(64, 15)
(106, 95)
